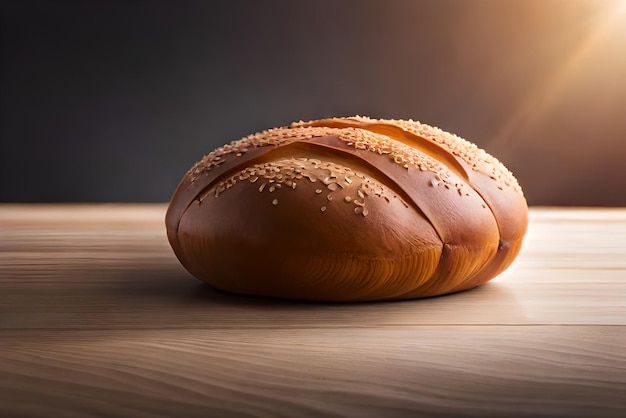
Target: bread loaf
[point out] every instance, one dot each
(347, 209)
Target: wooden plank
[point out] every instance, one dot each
(97, 317)
(70, 268)
(378, 371)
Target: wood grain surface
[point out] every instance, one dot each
(98, 318)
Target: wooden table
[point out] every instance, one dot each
(97, 317)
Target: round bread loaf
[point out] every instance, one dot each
(347, 209)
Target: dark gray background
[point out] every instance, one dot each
(114, 100)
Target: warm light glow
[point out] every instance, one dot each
(597, 56)
(621, 15)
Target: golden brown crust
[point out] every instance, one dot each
(347, 209)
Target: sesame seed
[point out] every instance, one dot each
(347, 199)
(323, 209)
(358, 210)
(262, 187)
(318, 191)
(329, 197)
(275, 202)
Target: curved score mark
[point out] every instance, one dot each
(328, 147)
(396, 133)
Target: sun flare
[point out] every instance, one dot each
(599, 53)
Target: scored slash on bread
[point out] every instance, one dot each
(347, 209)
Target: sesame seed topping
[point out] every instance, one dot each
(283, 173)
(476, 158)
(403, 154)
